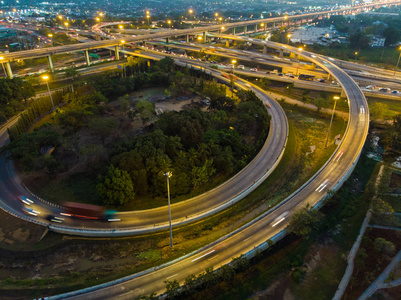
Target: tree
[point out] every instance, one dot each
(359, 40)
(115, 187)
(71, 73)
(378, 110)
(392, 35)
(146, 110)
(172, 288)
(102, 127)
(384, 247)
(303, 221)
(383, 213)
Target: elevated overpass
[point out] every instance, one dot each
(48, 52)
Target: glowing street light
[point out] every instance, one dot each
(122, 43)
(331, 121)
(97, 19)
(168, 176)
(288, 38)
(169, 23)
(356, 54)
(60, 17)
(46, 78)
(200, 38)
(190, 11)
(216, 14)
(66, 25)
(51, 38)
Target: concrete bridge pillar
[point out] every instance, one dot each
(227, 44)
(265, 49)
(233, 30)
(204, 37)
(167, 40)
(274, 24)
(187, 38)
(281, 53)
(88, 62)
(343, 94)
(116, 52)
(313, 66)
(256, 28)
(50, 62)
(9, 71)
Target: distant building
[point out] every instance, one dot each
(377, 41)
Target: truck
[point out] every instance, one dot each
(88, 211)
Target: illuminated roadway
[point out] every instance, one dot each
(265, 227)
(136, 222)
(107, 43)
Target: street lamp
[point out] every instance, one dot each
(216, 15)
(4, 70)
(66, 25)
(397, 61)
(46, 78)
(356, 53)
(199, 38)
(168, 175)
(288, 38)
(148, 17)
(331, 121)
(169, 23)
(51, 38)
(97, 19)
(233, 62)
(190, 11)
(122, 43)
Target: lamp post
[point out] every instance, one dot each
(66, 25)
(288, 38)
(331, 121)
(356, 54)
(169, 23)
(4, 70)
(46, 78)
(233, 62)
(51, 38)
(396, 67)
(168, 175)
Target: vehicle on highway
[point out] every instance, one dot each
(306, 77)
(30, 211)
(230, 66)
(279, 219)
(320, 80)
(384, 90)
(87, 211)
(268, 72)
(247, 85)
(25, 200)
(253, 70)
(395, 92)
(371, 87)
(322, 186)
(280, 74)
(241, 67)
(55, 219)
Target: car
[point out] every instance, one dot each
(371, 87)
(253, 70)
(395, 92)
(230, 66)
(384, 90)
(25, 200)
(247, 85)
(280, 74)
(55, 219)
(314, 56)
(320, 80)
(241, 67)
(30, 211)
(268, 72)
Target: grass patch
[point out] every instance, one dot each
(152, 255)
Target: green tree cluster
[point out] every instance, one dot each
(12, 93)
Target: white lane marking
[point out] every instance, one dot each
(203, 255)
(171, 276)
(125, 294)
(247, 239)
(278, 222)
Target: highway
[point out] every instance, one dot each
(136, 222)
(267, 226)
(107, 43)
